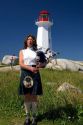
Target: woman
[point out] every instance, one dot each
(27, 62)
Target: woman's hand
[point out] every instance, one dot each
(34, 69)
(41, 65)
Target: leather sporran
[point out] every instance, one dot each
(28, 82)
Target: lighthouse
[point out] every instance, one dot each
(44, 23)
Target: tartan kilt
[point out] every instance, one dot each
(36, 89)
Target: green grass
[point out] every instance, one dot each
(62, 108)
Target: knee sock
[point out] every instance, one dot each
(34, 109)
(27, 106)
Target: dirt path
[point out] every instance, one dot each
(8, 68)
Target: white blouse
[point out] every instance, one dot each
(29, 56)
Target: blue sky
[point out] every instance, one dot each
(17, 19)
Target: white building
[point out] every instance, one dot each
(44, 40)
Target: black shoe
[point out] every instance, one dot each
(27, 121)
(34, 121)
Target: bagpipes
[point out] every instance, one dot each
(47, 55)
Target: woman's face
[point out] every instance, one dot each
(30, 41)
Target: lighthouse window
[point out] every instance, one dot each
(44, 16)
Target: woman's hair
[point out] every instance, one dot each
(34, 42)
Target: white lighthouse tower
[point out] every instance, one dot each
(44, 40)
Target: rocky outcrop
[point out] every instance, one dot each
(66, 86)
(65, 64)
(10, 60)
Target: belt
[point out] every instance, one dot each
(33, 65)
(29, 65)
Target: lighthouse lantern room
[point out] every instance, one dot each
(44, 40)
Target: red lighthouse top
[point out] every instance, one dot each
(44, 16)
